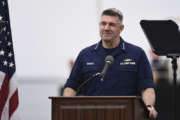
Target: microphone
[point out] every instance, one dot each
(108, 62)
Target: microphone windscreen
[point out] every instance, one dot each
(109, 58)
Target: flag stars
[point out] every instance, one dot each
(10, 54)
(2, 52)
(4, 29)
(5, 63)
(9, 43)
(11, 64)
(3, 3)
(1, 17)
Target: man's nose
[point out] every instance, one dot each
(107, 27)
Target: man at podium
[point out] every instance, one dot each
(129, 75)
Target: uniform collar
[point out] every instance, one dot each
(122, 45)
(121, 48)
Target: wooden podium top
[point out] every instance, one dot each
(96, 97)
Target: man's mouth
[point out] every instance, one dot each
(107, 34)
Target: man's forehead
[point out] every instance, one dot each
(108, 18)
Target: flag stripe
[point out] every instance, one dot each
(13, 103)
(4, 94)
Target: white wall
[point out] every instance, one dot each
(47, 33)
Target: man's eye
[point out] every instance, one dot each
(112, 24)
(103, 23)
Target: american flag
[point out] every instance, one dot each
(9, 104)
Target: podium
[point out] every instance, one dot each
(98, 108)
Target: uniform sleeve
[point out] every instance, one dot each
(145, 77)
(75, 79)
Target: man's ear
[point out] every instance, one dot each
(122, 27)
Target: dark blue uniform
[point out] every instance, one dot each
(129, 74)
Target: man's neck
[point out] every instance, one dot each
(111, 44)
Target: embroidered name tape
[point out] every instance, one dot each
(128, 61)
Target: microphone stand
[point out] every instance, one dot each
(86, 81)
(174, 67)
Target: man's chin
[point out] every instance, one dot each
(107, 39)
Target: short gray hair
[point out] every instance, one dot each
(113, 12)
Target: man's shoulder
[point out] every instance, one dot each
(133, 48)
(88, 49)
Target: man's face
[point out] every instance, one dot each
(110, 28)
